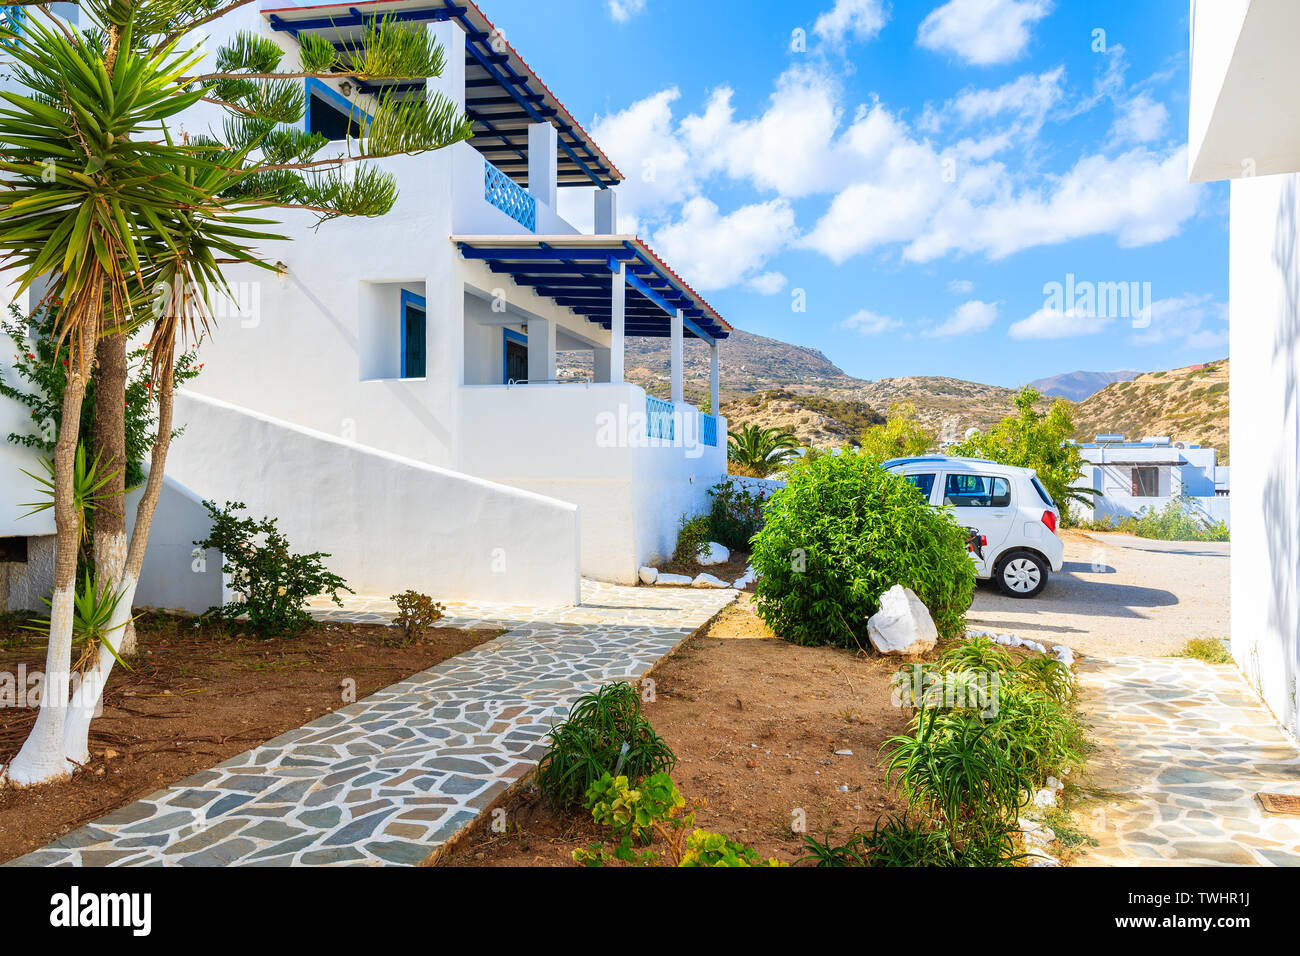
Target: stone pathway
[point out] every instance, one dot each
(390, 778)
(1184, 748)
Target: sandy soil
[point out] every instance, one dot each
(194, 698)
(1118, 595)
(756, 724)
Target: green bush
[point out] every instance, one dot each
(691, 536)
(841, 533)
(416, 613)
(1178, 520)
(735, 516)
(605, 733)
(275, 583)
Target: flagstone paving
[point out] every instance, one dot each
(390, 778)
(1184, 746)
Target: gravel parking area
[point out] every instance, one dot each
(1119, 596)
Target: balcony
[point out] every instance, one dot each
(512, 199)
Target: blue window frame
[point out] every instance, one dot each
(332, 114)
(414, 335)
(514, 361)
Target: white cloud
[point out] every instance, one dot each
(961, 286)
(714, 251)
(1140, 119)
(624, 10)
(869, 323)
(982, 32)
(1048, 323)
(1191, 320)
(769, 283)
(860, 19)
(972, 316)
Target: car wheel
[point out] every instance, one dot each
(1021, 574)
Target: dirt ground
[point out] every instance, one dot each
(1118, 596)
(196, 697)
(756, 724)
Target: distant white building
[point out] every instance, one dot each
(392, 394)
(1149, 473)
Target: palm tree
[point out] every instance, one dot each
(760, 451)
(127, 227)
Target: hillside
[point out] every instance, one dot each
(1187, 404)
(1078, 386)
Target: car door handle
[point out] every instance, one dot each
(1001, 514)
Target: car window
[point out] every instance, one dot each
(977, 491)
(1042, 493)
(924, 483)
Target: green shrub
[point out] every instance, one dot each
(841, 533)
(1178, 520)
(691, 536)
(275, 583)
(415, 613)
(736, 514)
(1212, 650)
(605, 733)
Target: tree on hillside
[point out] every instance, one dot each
(129, 227)
(1034, 439)
(901, 436)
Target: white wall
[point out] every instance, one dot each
(1264, 307)
(586, 444)
(15, 487)
(389, 523)
(176, 575)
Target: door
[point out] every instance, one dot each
(516, 358)
(982, 502)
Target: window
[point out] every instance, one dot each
(413, 335)
(514, 357)
(924, 483)
(330, 114)
(1146, 482)
(1042, 492)
(977, 491)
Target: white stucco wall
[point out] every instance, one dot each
(585, 444)
(1264, 306)
(389, 523)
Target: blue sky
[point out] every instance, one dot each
(913, 173)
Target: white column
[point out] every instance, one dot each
(543, 162)
(541, 350)
(451, 84)
(600, 365)
(715, 392)
(676, 358)
(618, 295)
(606, 203)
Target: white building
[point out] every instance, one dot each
(1150, 473)
(1244, 126)
(391, 395)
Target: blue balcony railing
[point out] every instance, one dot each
(659, 418)
(709, 430)
(508, 196)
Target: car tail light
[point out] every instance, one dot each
(1049, 519)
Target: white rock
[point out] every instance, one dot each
(708, 581)
(1063, 654)
(844, 753)
(1004, 639)
(1035, 646)
(648, 575)
(1055, 784)
(741, 583)
(902, 625)
(1039, 857)
(1045, 798)
(712, 553)
(750, 572)
(673, 579)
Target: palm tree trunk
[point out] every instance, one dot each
(76, 734)
(41, 758)
(109, 445)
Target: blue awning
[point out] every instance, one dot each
(577, 273)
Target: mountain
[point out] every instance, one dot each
(1187, 404)
(1077, 386)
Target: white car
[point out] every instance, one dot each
(1008, 506)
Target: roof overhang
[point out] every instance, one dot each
(1244, 112)
(503, 96)
(577, 272)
